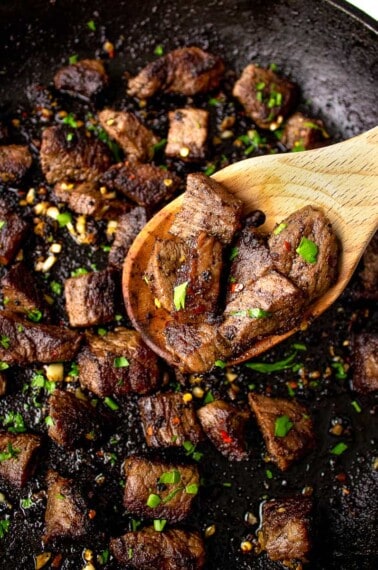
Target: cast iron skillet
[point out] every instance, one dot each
(330, 50)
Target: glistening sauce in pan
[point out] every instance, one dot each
(314, 366)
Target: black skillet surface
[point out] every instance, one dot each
(330, 51)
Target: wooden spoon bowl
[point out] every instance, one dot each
(341, 179)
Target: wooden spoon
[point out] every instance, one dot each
(341, 179)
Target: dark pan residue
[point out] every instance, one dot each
(332, 56)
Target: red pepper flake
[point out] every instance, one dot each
(150, 430)
(287, 245)
(226, 437)
(176, 421)
(341, 477)
(91, 514)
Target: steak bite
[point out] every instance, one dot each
(74, 421)
(266, 97)
(15, 161)
(86, 78)
(250, 260)
(187, 71)
(207, 207)
(145, 184)
(270, 304)
(168, 421)
(285, 530)
(365, 359)
(30, 342)
(66, 515)
(128, 227)
(224, 425)
(18, 456)
(13, 230)
(20, 290)
(147, 549)
(133, 137)
(87, 199)
(198, 264)
(195, 348)
(286, 427)
(162, 270)
(187, 134)
(305, 250)
(174, 487)
(118, 363)
(90, 298)
(78, 159)
(302, 133)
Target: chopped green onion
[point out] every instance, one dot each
(159, 50)
(74, 370)
(260, 85)
(234, 253)
(79, 271)
(34, 315)
(282, 426)
(3, 366)
(339, 448)
(308, 250)
(56, 287)
(280, 228)
(102, 332)
(158, 526)
(111, 403)
(70, 121)
(299, 346)
(4, 527)
(170, 477)
(10, 454)
(340, 370)
(356, 406)
(210, 169)
(266, 367)
(5, 341)
(26, 503)
(208, 398)
(220, 363)
(159, 145)
(121, 362)
(103, 557)
(49, 421)
(64, 218)
(179, 295)
(14, 422)
(73, 59)
(91, 25)
(191, 489)
(2, 224)
(172, 494)
(269, 474)
(153, 501)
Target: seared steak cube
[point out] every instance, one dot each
(13, 230)
(146, 184)
(73, 421)
(20, 289)
(195, 347)
(90, 298)
(175, 486)
(187, 134)
(250, 260)
(207, 207)
(128, 227)
(285, 530)
(15, 161)
(302, 133)
(33, 342)
(87, 199)
(187, 71)
(272, 303)
(66, 515)
(198, 264)
(266, 97)
(224, 425)
(86, 78)
(133, 137)
(18, 455)
(118, 363)
(162, 270)
(286, 427)
(168, 421)
(365, 355)
(147, 549)
(306, 251)
(72, 156)
(369, 274)
(3, 384)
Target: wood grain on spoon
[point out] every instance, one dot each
(341, 179)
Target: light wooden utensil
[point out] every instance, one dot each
(341, 179)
